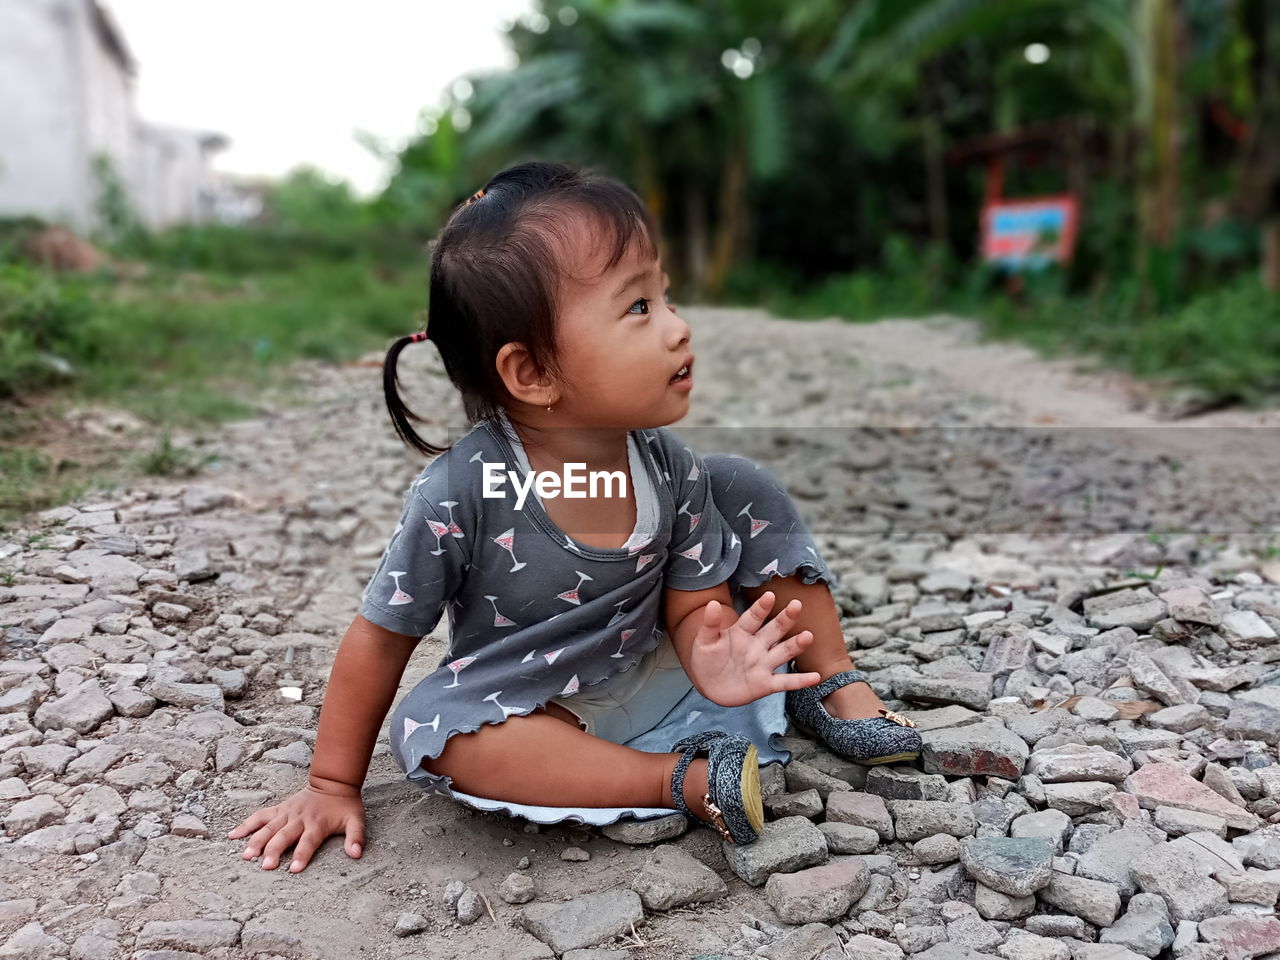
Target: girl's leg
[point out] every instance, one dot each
(747, 494)
(546, 759)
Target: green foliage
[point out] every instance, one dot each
(116, 219)
(166, 460)
(39, 314)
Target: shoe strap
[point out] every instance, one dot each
(836, 681)
(677, 781)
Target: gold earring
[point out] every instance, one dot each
(548, 408)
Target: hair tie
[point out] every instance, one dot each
(415, 337)
(476, 196)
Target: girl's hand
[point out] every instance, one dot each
(307, 818)
(733, 658)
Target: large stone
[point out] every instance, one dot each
(1072, 762)
(791, 843)
(905, 783)
(656, 830)
(1214, 855)
(818, 893)
(1017, 867)
(1167, 784)
(584, 921)
(83, 710)
(30, 942)
(1110, 856)
(1144, 928)
(916, 819)
(195, 696)
(861, 810)
(979, 749)
(1031, 947)
(1078, 799)
(1244, 629)
(1053, 824)
(32, 814)
(1253, 721)
(1177, 877)
(194, 935)
(974, 691)
(1243, 937)
(1149, 677)
(1096, 901)
(1260, 848)
(672, 878)
(1138, 609)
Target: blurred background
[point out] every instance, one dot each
(192, 193)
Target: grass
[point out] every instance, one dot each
(1220, 348)
(180, 351)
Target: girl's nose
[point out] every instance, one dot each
(679, 327)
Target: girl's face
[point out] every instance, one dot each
(620, 345)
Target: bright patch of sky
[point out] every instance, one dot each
(291, 81)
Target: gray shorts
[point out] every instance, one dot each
(633, 701)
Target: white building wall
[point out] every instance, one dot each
(109, 113)
(64, 96)
(42, 144)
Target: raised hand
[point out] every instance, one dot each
(733, 658)
(307, 818)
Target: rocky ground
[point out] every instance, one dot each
(1076, 602)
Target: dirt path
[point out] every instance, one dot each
(189, 607)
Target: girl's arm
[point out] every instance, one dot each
(362, 683)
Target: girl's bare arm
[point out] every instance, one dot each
(362, 684)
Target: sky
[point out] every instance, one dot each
(290, 81)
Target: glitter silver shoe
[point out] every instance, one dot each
(732, 803)
(889, 738)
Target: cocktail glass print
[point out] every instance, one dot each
(506, 711)
(693, 517)
(399, 596)
(498, 619)
(626, 635)
(572, 595)
(453, 527)
(756, 525)
(439, 529)
(694, 553)
(618, 614)
(507, 541)
(457, 666)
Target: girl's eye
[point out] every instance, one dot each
(645, 300)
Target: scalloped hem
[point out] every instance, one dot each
(812, 572)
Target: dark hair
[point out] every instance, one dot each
(496, 275)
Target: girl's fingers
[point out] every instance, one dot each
(780, 653)
(753, 618)
(251, 823)
(260, 838)
(285, 838)
(777, 628)
(795, 681)
(355, 837)
(308, 843)
(711, 617)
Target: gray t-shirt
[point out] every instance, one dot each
(533, 614)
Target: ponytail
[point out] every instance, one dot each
(400, 412)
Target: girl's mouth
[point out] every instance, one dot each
(682, 374)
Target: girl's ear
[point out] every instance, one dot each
(522, 378)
